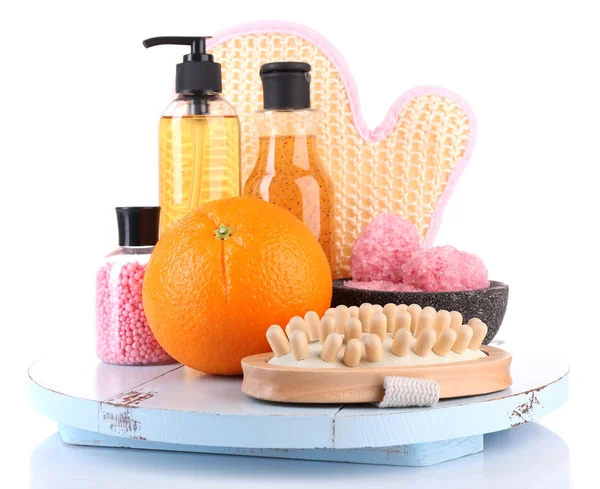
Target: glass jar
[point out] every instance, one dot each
(123, 336)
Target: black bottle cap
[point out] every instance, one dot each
(138, 226)
(286, 85)
(198, 72)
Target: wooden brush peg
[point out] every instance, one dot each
(465, 333)
(426, 320)
(353, 310)
(402, 322)
(402, 307)
(373, 347)
(430, 309)
(377, 308)
(456, 320)
(353, 330)
(473, 321)
(327, 327)
(331, 347)
(443, 319)
(312, 321)
(353, 353)
(297, 323)
(443, 344)
(480, 330)
(402, 341)
(342, 314)
(330, 311)
(365, 313)
(390, 311)
(414, 310)
(379, 325)
(278, 341)
(424, 342)
(299, 345)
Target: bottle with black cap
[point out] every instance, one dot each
(199, 135)
(123, 336)
(289, 171)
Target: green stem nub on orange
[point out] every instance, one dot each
(223, 232)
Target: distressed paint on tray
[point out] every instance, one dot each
(416, 455)
(182, 406)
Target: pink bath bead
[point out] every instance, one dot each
(445, 269)
(382, 247)
(122, 332)
(380, 285)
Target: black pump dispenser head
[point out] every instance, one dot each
(286, 85)
(198, 72)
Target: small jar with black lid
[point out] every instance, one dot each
(123, 336)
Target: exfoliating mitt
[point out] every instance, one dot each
(407, 166)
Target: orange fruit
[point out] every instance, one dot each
(220, 276)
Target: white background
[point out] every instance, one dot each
(80, 100)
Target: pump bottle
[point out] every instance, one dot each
(199, 136)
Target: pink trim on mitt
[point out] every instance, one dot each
(282, 27)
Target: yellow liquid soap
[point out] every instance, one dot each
(199, 161)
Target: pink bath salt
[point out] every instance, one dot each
(119, 318)
(380, 285)
(445, 269)
(382, 247)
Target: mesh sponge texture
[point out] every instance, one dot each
(404, 172)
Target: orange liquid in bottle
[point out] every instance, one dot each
(289, 174)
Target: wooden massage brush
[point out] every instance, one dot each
(345, 355)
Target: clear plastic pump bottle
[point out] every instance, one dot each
(199, 136)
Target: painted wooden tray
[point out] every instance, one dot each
(175, 408)
(269, 382)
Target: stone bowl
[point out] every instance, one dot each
(489, 304)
